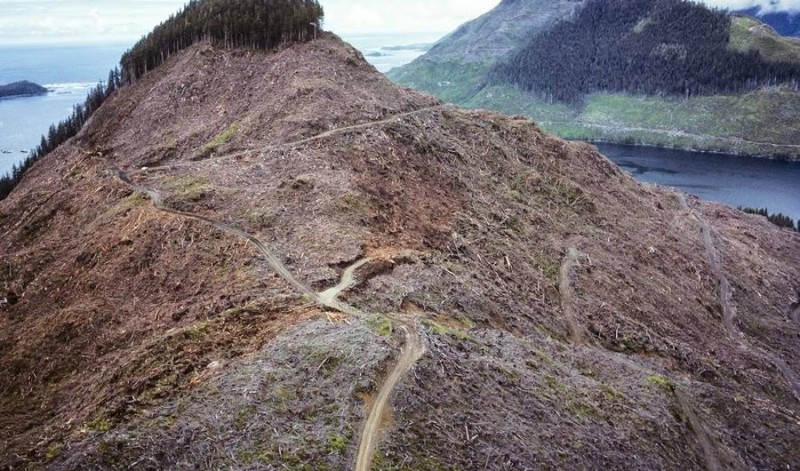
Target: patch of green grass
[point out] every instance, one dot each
(337, 444)
(162, 387)
(381, 325)
(451, 81)
(661, 382)
(53, 452)
(242, 417)
(188, 188)
(444, 331)
(466, 321)
(221, 139)
(549, 267)
(100, 424)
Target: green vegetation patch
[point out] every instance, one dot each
(188, 188)
(661, 382)
(446, 331)
(218, 141)
(381, 325)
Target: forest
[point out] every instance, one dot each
(262, 24)
(779, 219)
(652, 47)
(259, 24)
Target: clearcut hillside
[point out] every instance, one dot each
(280, 260)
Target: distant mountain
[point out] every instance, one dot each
(456, 64)
(23, 88)
(661, 48)
(667, 73)
(784, 22)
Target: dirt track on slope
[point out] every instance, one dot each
(273, 261)
(317, 137)
(330, 294)
(567, 301)
(725, 299)
(412, 351)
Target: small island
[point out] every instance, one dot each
(18, 89)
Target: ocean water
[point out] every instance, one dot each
(69, 73)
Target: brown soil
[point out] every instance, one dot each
(149, 338)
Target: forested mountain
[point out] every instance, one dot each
(786, 23)
(665, 73)
(652, 47)
(456, 66)
(257, 24)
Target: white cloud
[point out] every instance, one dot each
(401, 16)
(766, 5)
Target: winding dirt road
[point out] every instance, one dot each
(273, 261)
(326, 134)
(412, 352)
(348, 280)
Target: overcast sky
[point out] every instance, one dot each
(121, 21)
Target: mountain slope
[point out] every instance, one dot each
(304, 229)
(651, 51)
(456, 65)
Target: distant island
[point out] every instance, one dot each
(23, 88)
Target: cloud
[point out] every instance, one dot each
(80, 21)
(765, 5)
(401, 16)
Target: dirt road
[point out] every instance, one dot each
(348, 279)
(320, 136)
(412, 352)
(273, 261)
(567, 295)
(725, 300)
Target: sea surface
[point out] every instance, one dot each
(730, 179)
(69, 72)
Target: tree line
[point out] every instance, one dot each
(779, 219)
(653, 47)
(260, 24)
